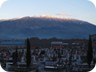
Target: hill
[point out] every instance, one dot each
(44, 27)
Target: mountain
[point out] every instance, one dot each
(44, 27)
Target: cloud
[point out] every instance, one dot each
(2, 2)
(93, 2)
(62, 14)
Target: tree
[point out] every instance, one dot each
(15, 57)
(28, 53)
(89, 51)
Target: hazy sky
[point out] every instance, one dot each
(80, 9)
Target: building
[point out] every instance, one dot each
(56, 44)
(75, 47)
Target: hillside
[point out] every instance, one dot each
(45, 28)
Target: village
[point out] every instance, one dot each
(68, 55)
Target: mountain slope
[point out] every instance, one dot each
(45, 28)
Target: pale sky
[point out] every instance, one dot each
(79, 9)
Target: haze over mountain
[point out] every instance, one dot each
(44, 27)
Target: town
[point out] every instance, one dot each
(47, 55)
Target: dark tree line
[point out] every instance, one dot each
(89, 52)
(35, 41)
(15, 57)
(28, 53)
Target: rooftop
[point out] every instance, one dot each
(56, 42)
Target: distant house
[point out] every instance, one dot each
(56, 44)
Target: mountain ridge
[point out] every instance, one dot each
(44, 27)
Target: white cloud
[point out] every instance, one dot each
(63, 15)
(2, 2)
(93, 2)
